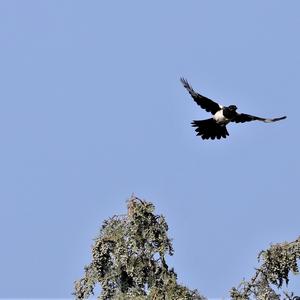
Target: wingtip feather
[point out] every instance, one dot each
(184, 82)
(279, 119)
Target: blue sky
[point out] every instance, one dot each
(92, 110)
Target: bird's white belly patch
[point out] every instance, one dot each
(219, 117)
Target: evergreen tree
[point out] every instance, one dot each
(129, 259)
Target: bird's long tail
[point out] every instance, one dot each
(209, 129)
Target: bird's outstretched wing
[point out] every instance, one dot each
(242, 118)
(205, 103)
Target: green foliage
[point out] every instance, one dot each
(129, 262)
(277, 263)
(128, 259)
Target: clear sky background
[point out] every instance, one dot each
(92, 110)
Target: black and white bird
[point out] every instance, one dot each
(215, 127)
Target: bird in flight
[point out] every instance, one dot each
(215, 127)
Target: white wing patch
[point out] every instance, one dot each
(268, 120)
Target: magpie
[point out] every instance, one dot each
(215, 127)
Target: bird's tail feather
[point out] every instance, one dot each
(209, 129)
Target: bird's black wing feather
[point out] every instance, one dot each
(242, 118)
(205, 103)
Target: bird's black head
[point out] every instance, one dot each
(232, 107)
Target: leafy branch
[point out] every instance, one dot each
(277, 263)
